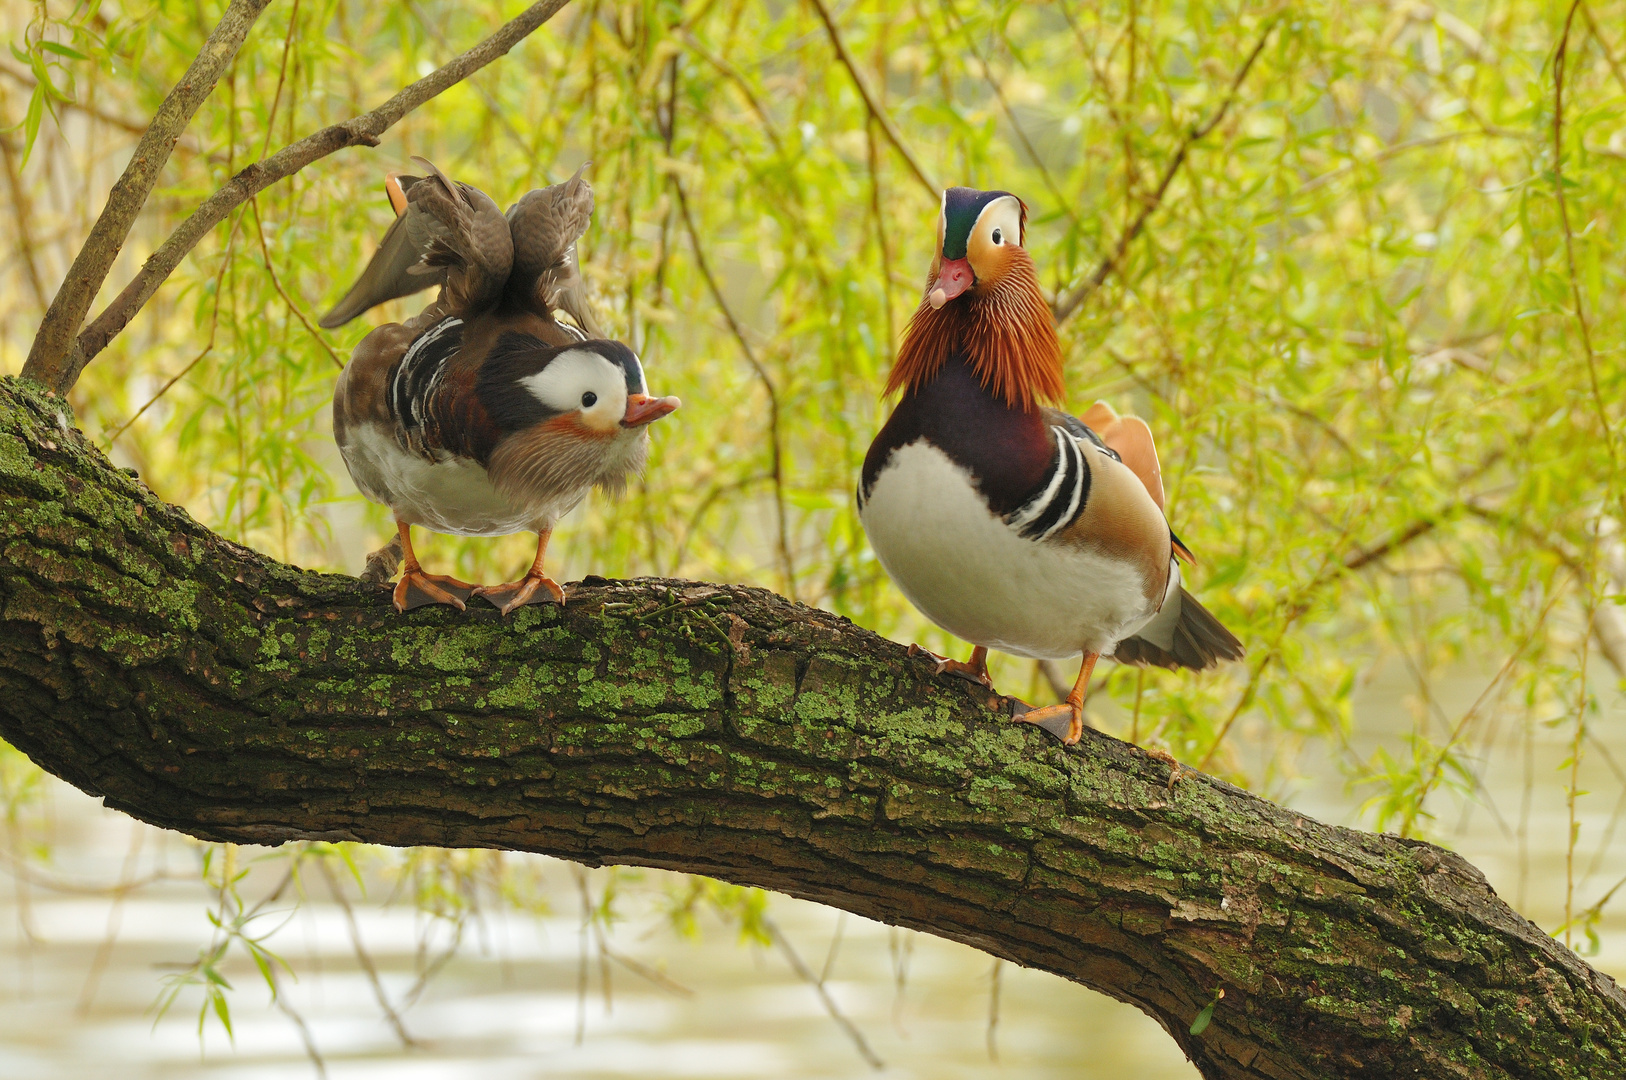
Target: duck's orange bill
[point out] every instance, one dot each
(643, 409)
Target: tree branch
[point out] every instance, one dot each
(1066, 305)
(363, 130)
(725, 731)
(875, 110)
(49, 356)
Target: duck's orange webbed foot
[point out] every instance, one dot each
(976, 669)
(1064, 721)
(417, 589)
(535, 588)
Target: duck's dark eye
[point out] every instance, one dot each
(589, 399)
(998, 237)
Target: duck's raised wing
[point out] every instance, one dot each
(445, 233)
(546, 224)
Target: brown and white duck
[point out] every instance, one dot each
(1010, 524)
(485, 414)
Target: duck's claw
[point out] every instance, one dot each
(531, 589)
(976, 670)
(417, 589)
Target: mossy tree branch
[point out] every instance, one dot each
(203, 687)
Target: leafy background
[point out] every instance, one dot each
(1371, 302)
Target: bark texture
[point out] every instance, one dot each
(722, 730)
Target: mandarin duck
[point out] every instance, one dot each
(485, 414)
(1010, 524)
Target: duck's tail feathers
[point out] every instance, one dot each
(1188, 636)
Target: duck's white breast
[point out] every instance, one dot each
(449, 494)
(970, 573)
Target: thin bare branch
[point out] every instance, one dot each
(776, 465)
(875, 110)
(276, 283)
(362, 956)
(1560, 56)
(362, 130)
(1603, 44)
(50, 358)
(1066, 305)
(806, 975)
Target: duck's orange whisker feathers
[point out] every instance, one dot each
(1006, 332)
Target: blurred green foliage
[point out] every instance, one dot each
(1375, 316)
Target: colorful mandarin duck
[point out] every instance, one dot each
(1010, 524)
(485, 415)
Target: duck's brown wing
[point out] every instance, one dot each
(546, 224)
(445, 233)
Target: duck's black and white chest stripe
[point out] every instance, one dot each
(1031, 468)
(1066, 488)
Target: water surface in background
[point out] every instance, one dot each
(509, 1004)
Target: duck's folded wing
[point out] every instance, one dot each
(445, 233)
(546, 224)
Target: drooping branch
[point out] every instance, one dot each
(1066, 304)
(725, 731)
(60, 374)
(876, 112)
(48, 356)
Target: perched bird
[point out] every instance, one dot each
(1010, 524)
(485, 415)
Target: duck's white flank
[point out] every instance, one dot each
(449, 495)
(969, 571)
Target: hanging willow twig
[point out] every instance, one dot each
(775, 467)
(1067, 304)
(875, 110)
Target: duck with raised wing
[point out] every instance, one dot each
(485, 414)
(1011, 524)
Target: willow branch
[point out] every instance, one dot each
(1560, 56)
(875, 110)
(775, 467)
(51, 357)
(362, 130)
(203, 687)
(1067, 304)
